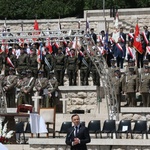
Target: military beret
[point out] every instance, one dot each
(131, 69)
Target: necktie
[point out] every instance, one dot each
(76, 130)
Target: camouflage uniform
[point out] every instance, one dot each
(95, 75)
(59, 67)
(33, 63)
(130, 87)
(41, 86)
(72, 68)
(52, 96)
(84, 70)
(9, 87)
(144, 87)
(22, 62)
(13, 59)
(48, 66)
(26, 90)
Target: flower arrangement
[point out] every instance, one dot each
(5, 135)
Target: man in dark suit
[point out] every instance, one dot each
(78, 135)
(93, 35)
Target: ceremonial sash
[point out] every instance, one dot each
(10, 62)
(148, 49)
(122, 39)
(145, 37)
(129, 50)
(119, 46)
(131, 35)
(47, 63)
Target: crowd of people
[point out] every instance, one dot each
(41, 66)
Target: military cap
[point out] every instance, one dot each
(116, 71)
(11, 69)
(131, 69)
(131, 61)
(23, 72)
(28, 71)
(113, 60)
(40, 72)
(147, 67)
(72, 49)
(145, 27)
(145, 61)
(10, 48)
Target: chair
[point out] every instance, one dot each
(49, 115)
(94, 127)
(140, 127)
(109, 127)
(64, 128)
(124, 127)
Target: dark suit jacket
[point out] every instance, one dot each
(83, 135)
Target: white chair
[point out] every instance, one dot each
(49, 115)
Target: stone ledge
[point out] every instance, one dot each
(94, 142)
(135, 110)
(77, 88)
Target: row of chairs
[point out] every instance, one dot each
(109, 128)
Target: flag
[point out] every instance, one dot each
(137, 41)
(48, 45)
(106, 41)
(116, 21)
(116, 33)
(36, 25)
(79, 24)
(40, 53)
(87, 25)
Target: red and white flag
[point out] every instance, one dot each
(48, 45)
(137, 41)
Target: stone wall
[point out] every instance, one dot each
(127, 18)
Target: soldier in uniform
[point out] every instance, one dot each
(10, 61)
(72, 67)
(9, 86)
(52, 96)
(113, 67)
(33, 63)
(48, 63)
(59, 66)
(26, 89)
(95, 75)
(144, 86)
(116, 82)
(84, 68)
(131, 64)
(41, 85)
(22, 61)
(130, 87)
